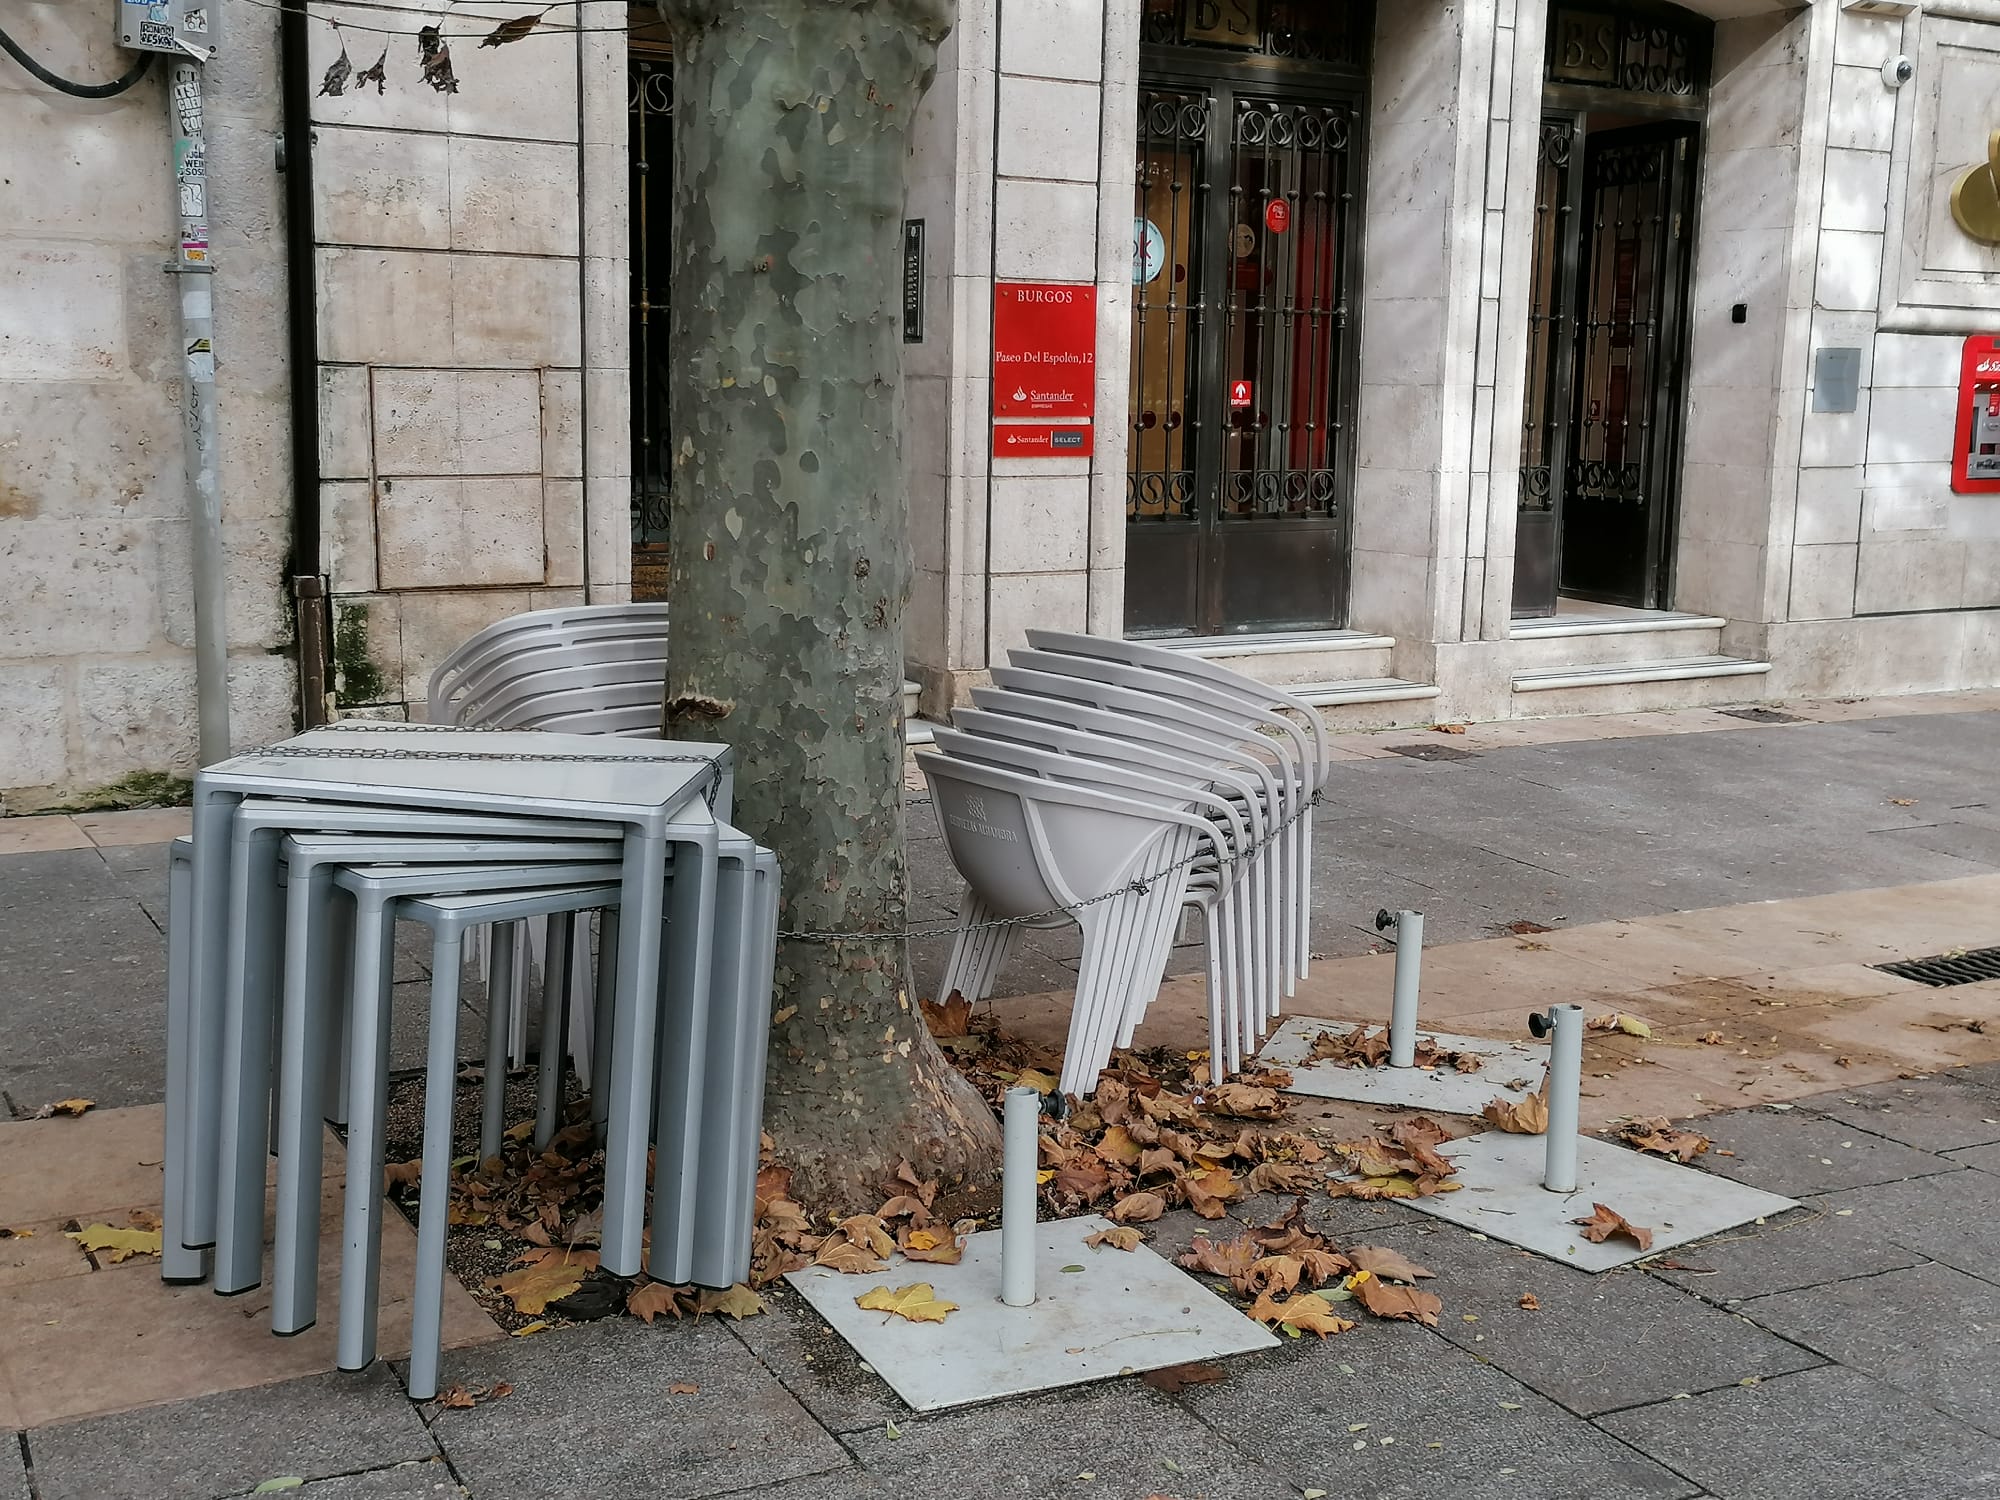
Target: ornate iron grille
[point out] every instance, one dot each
(1618, 350)
(1285, 311)
(650, 108)
(1322, 31)
(1168, 308)
(1546, 416)
(1661, 52)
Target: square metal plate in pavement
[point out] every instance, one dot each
(1122, 1311)
(1507, 1070)
(1503, 1199)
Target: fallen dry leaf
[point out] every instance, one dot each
(1529, 1117)
(937, 1245)
(1308, 1312)
(116, 1245)
(1710, 1039)
(1208, 1192)
(953, 1018)
(1123, 1238)
(1279, 1177)
(1661, 1138)
(1119, 1146)
(456, 1398)
(1390, 1263)
(917, 1302)
(544, 1276)
(1902, 801)
(868, 1232)
(397, 1174)
(69, 1107)
(1618, 1021)
(1387, 1301)
(1604, 1223)
(736, 1302)
(1244, 1101)
(653, 1298)
(1524, 928)
(1176, 1378)
(1138, 1208)
(1231, 1258)
(683, 1388)
(1275, 1274)
(1529, 1302)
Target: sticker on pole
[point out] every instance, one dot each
(1278, 215)
(1240, 395)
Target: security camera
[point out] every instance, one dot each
(1898, 71)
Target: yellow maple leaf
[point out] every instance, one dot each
(917, 1302)
(117, 1244)
(655, 1297)
(70, 1107)
(1127, 1237)
(546, 1276)
(737, 1302)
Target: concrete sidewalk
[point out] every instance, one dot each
(1707, 872)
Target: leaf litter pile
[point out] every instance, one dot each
(1159, 1134)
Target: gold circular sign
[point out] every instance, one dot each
(1975, 197)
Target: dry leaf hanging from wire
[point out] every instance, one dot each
(435, 57)
(511, 31)
(334, 82)
(376, 73)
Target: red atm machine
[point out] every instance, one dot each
(1975, 459)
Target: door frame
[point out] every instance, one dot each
(1222, 77)
(1575, 103)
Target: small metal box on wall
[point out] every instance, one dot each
(180, 26)
(1975, 459)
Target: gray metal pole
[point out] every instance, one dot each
(194, 269)
(1021, 1158)
(1403, 1010)
(1564, 1086)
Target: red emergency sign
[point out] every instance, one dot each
(1278, 216)
(1240, 392)
(1975, 459)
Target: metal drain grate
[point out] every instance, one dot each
(1432, 752)
(1763, 716)
(1948, 968)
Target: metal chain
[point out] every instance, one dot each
(1135, 887)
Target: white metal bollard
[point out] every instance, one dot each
(1403, 1009)
(1017, 1197)
(1564, 1086)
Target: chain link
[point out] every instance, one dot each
(1135, 887)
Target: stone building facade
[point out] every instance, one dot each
(1446, 358)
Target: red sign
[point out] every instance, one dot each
(1975, 459)
(1278, 216)
(1044, 349)
(1042, 440)
(1240, 393)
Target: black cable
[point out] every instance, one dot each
(76, 90)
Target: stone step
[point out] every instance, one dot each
(1639, 686)
(1573, 641)
(915, 730)
(1367, 702)
(1289, 658)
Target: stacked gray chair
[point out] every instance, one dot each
(284, 902)
(1110, 784)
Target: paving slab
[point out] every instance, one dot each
(816, 1364)
(1982, 1158)
(1953, 1218)
(1500, 1176)
(1456, 1426)
(54, 881)
(226, 1444)
(428, 1480)
(1928, 1331)
(13, 1472)
(1824, 1434)
(1507, 1069)
(1820, 1242)
(92, 1021)
(1932, 1114)
(1581, 1346)
(1096, 1313)
(591, 1416)
(1131, 1441)
(1796, 1152)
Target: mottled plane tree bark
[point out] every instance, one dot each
(789, 551)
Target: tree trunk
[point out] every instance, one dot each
(789, 549)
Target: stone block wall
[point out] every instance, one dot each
(472, 294)
(96, 610)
